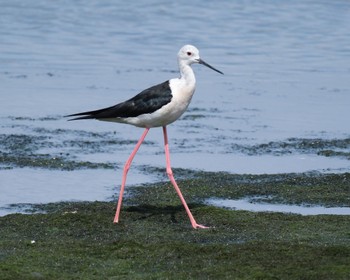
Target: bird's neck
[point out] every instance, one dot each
(187, 74)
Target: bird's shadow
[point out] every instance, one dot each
(148, 211)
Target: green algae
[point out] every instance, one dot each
(329, 190)
(9, 161)
(154, 239)
(41, 147)
(23, 150)
(317, 146)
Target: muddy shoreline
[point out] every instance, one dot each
(154, 238)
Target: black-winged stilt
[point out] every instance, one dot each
(156, 106)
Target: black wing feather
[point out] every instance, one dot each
(146, 102)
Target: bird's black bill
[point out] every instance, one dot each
(200, 61)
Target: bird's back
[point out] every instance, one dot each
(146, 102)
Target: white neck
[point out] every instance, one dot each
(186, 73)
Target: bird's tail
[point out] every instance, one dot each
(85, 115)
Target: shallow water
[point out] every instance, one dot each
(249, 204)
(282, 105)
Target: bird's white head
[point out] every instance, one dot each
(189, 54)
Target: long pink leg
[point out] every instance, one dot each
(125, 172)
(171, 177)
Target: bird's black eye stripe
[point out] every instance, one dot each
(189, 53)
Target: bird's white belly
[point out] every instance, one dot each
(182, 95)
(162, 117)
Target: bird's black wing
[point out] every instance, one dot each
(146, 102)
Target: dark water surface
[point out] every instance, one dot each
(282, 105)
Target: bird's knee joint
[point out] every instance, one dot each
(170, 173)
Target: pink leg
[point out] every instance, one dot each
(171, 177)
(125, 172)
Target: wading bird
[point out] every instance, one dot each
(156, 106)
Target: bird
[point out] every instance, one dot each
(157, 106)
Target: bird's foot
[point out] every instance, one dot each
(195, 225)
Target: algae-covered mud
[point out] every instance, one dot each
(154, 239)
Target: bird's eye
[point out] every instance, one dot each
(189, 53)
